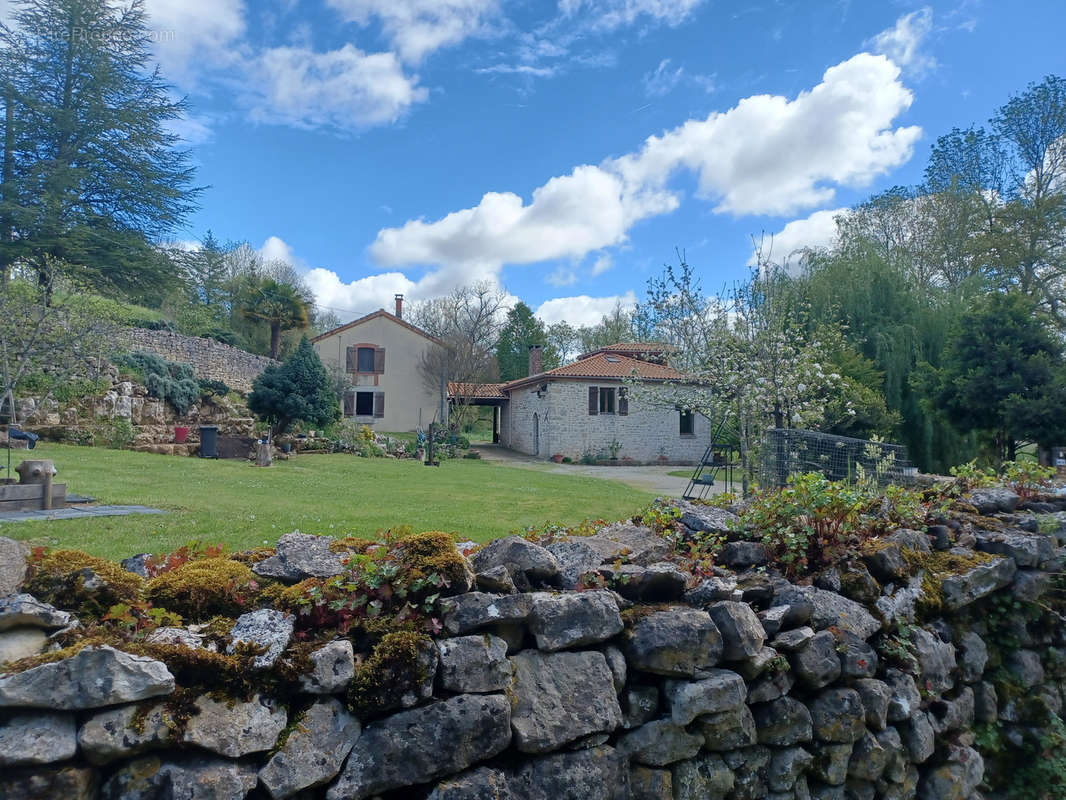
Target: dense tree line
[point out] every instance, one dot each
(938, 311)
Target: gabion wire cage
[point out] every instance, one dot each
(787, 451)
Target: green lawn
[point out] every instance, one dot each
(244, 506)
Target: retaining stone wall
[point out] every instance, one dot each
(209, 359)
(741, 686)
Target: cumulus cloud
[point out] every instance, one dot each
(582, 309)
(188, 35)
(612, 14)
(903, 41)
(343, 89)
(277, 249)
(766, 155)
(787, 246)
(355, 298)
(417, 28)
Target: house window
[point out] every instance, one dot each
(688, 423)
(364, 404)
(365, 359)
(606, 401)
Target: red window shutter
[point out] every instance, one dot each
(623, 402)
(379, 404)
(349, 401)
(594, 400)
(350, 359)
(379, 360)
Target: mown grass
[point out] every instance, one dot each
(242, 506)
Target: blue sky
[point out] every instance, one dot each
(411, 145)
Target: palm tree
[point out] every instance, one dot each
(280, 305)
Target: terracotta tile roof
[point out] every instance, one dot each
(374, 315)
(638, 349)
(604, 365)
(481, 391)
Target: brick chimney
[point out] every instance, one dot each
(399, 306)
(536, 359)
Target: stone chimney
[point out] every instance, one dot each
(536, 359)
(399, 306)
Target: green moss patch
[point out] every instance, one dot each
(203, 589)
(78, 582)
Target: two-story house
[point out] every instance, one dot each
(379, 355)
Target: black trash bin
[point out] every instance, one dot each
(209, 441)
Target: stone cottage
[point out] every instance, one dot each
(584, 408)
(379, 355)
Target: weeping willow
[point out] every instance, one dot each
(899, 324)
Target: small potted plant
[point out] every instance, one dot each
(558, 458)
(181, 434)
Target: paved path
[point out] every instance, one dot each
(649, 479)
(77, 512)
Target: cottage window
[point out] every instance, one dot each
(364, 404)
(607, 401)
(688, 423)
(366, 359)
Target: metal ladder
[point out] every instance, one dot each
(715, 458)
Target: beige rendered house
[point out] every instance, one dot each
(380, 354)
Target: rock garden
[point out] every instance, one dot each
(824, 641)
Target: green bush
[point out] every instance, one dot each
(300, 390)
(166, 380)
(212, 387)
(119, 434)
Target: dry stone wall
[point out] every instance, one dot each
(739, 686)
(209, 359)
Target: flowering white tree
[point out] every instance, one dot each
(748, 365)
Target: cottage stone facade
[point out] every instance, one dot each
(557, 421)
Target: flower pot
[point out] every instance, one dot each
(181, 433)
(558, 458)
(286, 447)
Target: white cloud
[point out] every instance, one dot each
(611, 14)
(568, 216)
(342, 89)
(358, 297)
(662, 80)
(786, 247)
(581, 310)
(771, 155)
(190, 34)
(193, 129)
(602, 264)
(519, 69)
(277, 249)
(562, 276)
(417, 28)
(766, 155)
(903, 42)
